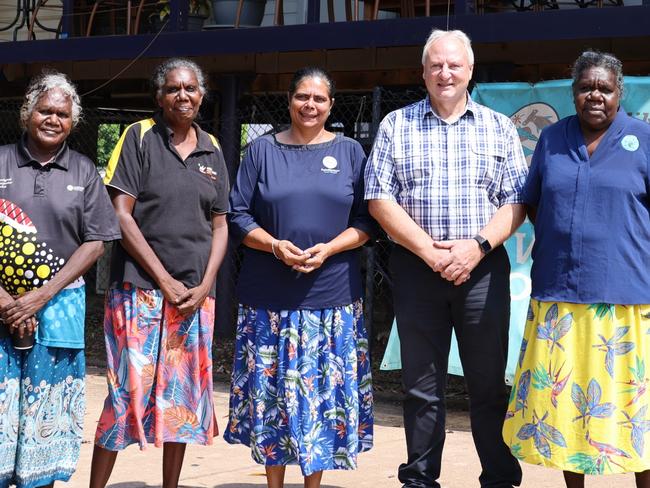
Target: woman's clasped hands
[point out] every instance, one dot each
(304, 261)
(19, 313)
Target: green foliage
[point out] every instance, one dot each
(200, 8)
(584, 463)
(515, 449)
(541, 378)
(639, 370)
(107, 137)
(336, 413)
(163, 9)
(602, 310)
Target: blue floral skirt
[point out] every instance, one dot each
(301, 390)
(42, 403)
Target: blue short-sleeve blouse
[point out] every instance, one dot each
(592, 227)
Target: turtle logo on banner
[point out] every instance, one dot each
(530, 120)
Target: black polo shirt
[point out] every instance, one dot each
(46, 213)
(175, 200)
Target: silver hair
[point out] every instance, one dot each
(46, 81)
(596, 59)
(163, 69)
(437, 34)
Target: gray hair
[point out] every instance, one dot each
(597, 59)
(163, 69)
(46, 81)
(437, 34)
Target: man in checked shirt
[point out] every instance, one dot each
(444, 180)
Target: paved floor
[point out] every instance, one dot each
(224, 466)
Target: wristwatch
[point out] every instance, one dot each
(483, 243)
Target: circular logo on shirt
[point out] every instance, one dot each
(630, 142)
(330, 162)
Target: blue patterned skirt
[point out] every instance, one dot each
(301, 390)
(42, 403)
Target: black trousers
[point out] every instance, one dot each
(427, 307)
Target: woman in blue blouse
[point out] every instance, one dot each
(579, 401)
(301, 385)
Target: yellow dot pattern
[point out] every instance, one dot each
(25, 263)
(43, 271)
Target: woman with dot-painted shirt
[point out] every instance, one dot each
(54, 215)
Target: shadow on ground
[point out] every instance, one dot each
(139, 484)
(251, 485)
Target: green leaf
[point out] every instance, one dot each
(515, 449)
(586, 464)
(541, 378)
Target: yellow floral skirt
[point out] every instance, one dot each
(579, 400)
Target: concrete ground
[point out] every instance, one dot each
(224, 466)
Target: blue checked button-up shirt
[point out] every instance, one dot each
(450, 178)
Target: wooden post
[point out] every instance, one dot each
(313, 11)
(230, 139)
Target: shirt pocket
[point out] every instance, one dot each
(487, 160)
(203, 180)
(412, 169)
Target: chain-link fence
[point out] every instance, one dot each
(356, 115)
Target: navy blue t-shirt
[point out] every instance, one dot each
(305, 194)
(592, 229)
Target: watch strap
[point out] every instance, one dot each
(483, 243)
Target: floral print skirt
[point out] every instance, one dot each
(42, 404)
(301, 389)
(159, 372)
(579, 401)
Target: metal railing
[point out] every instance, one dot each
(31, 19)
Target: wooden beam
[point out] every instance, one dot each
(545, 26)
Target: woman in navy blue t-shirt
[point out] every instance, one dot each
(301, 385)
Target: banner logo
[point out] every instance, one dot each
(530, 120)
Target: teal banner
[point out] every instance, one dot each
(531, 108)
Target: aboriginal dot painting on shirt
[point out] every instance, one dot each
(25, 261)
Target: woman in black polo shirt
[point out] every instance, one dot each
(169, 185)
(54, 215)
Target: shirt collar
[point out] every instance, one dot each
(427, 111)
(620, 121)
(61, 159)
(203, 142)
(616, 128)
